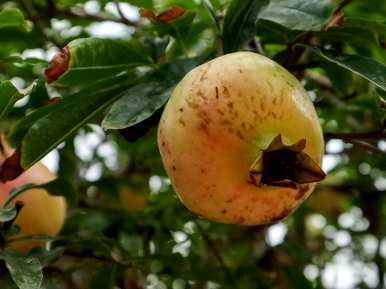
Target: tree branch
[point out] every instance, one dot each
(80, 13)
(121, 14)
(374, 135)
(216, 254)
(359, 139)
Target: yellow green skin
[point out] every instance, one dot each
(217, 121)
(42, 214)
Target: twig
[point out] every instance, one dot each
(216, 254)
(35, 18)
(358, 139)
(367, 146)
(80, 13)
(121, 14)
(377, 135)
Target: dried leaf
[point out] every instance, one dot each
(58, 65)
(166, 16)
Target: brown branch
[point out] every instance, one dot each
(80, 13)
(375, 135)
(120, 12)
(359, 139)
(216, 254)
(34, 16)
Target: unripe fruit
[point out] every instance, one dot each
(240, 140)
(41, 214)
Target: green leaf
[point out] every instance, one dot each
(94, 59)
(69, 115)
(7, 214)
(20, 129)
(274, 33)
(308, 15)
(26, 272)
(239, 23)
(359, 38)
(61, 187)
(365, 67)
(9, 94)
(141, 101)
(16, 192)
(12, 18)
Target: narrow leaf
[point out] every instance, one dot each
(61, 187)
(13, 18)
(7, 214)
(141, 101)
(88, 60)
(26, 272)
(308, 15)
(71, 114)
(239, 23)
(8, 96)
(365, 67)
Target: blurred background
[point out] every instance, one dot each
(129, 230)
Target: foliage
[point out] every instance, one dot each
(100, 118)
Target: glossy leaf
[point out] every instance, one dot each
(365, 67)
(239, 23)
(142, 100)
(19, 130)
(69, 115)
(9, 94)
(61, 187)
(308, 15)
(92, 59)
(12, 18)
(7, 214)
(26, 272)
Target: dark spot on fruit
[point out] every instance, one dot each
(230, 105)
(225, 92)
(240, 70)
(216, 92)
(238, 133)
(163, 143)
(241, 220)
(181, 122)
(203, 76)
(243, 124)
(204, 127)
(262, 106)
(229, 201)
(223, 211)
(174, 168)
(230, 130)
(181, 109)
(270, 85)
(226, 122)
(220, 111)
(202, 171)
(274, 100)
(192, 104)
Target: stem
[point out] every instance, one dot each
(216, 254)
(377, 135)
(120, 12)
(35, 18)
